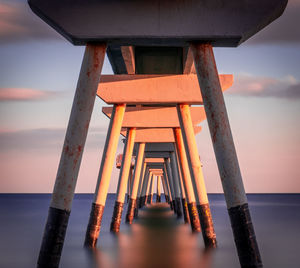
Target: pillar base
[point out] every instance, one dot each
(130, 211)
(116, 217)
(171, 204)
(207, 226)
(142, 201)
(94, 225)
(174, 206)
(178, 207)
(136, 212)
(185, 209)
(244, 236)
(149, 199)
(53, 239)
(194, 218)
(145, 200)
(138, 202)
(167, 199)
(158, 198)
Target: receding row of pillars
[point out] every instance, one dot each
(197, 201)
(189, 179)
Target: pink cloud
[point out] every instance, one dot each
(44, 139)
(249, 85)
(23, 94)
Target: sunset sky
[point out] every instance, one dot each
(38, 76)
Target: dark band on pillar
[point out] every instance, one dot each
(167, 199)
(171, 204)
(140, 202)
(130, 211)
(53, 239)
(185, 209)
(207, 226)
(178, 207)
(94, 225)
(194, 217)
(158, 198)
(149, 199)
(174, 206)
(136, 211)
(116, 217)
(244, 236)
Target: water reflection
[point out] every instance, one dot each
(156, 239)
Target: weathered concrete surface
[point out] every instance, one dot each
(156, 134)
(155, 165)
(155, 117)
(157, 154)
(154, 89)
(156, 171)
(228, 165)
(158, 22)
(154, 160)
(157, 147)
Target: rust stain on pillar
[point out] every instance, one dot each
(226, 156)
(107, 162)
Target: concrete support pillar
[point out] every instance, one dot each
(61, 202)
(123, 180)
(150, 196)
(107, 162)
(171, 180)
(189, 139)
(226, 156)
(148, 189)
(129, 183)
(148, 175)
(187, 181)
(170, 193)
(186, 216)
(166, 191)
(158, 189)
(135, 184)
(138, 198)
(175, 174)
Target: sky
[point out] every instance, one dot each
(38, 75)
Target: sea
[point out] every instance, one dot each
(156, 239)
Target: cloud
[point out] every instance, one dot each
(24, 94)
(19, 23)
(45, 139)
(249, 85)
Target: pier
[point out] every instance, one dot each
(165, 84)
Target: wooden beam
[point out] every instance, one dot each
(154, 89)
(155, 117)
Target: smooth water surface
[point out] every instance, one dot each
(156, 239)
